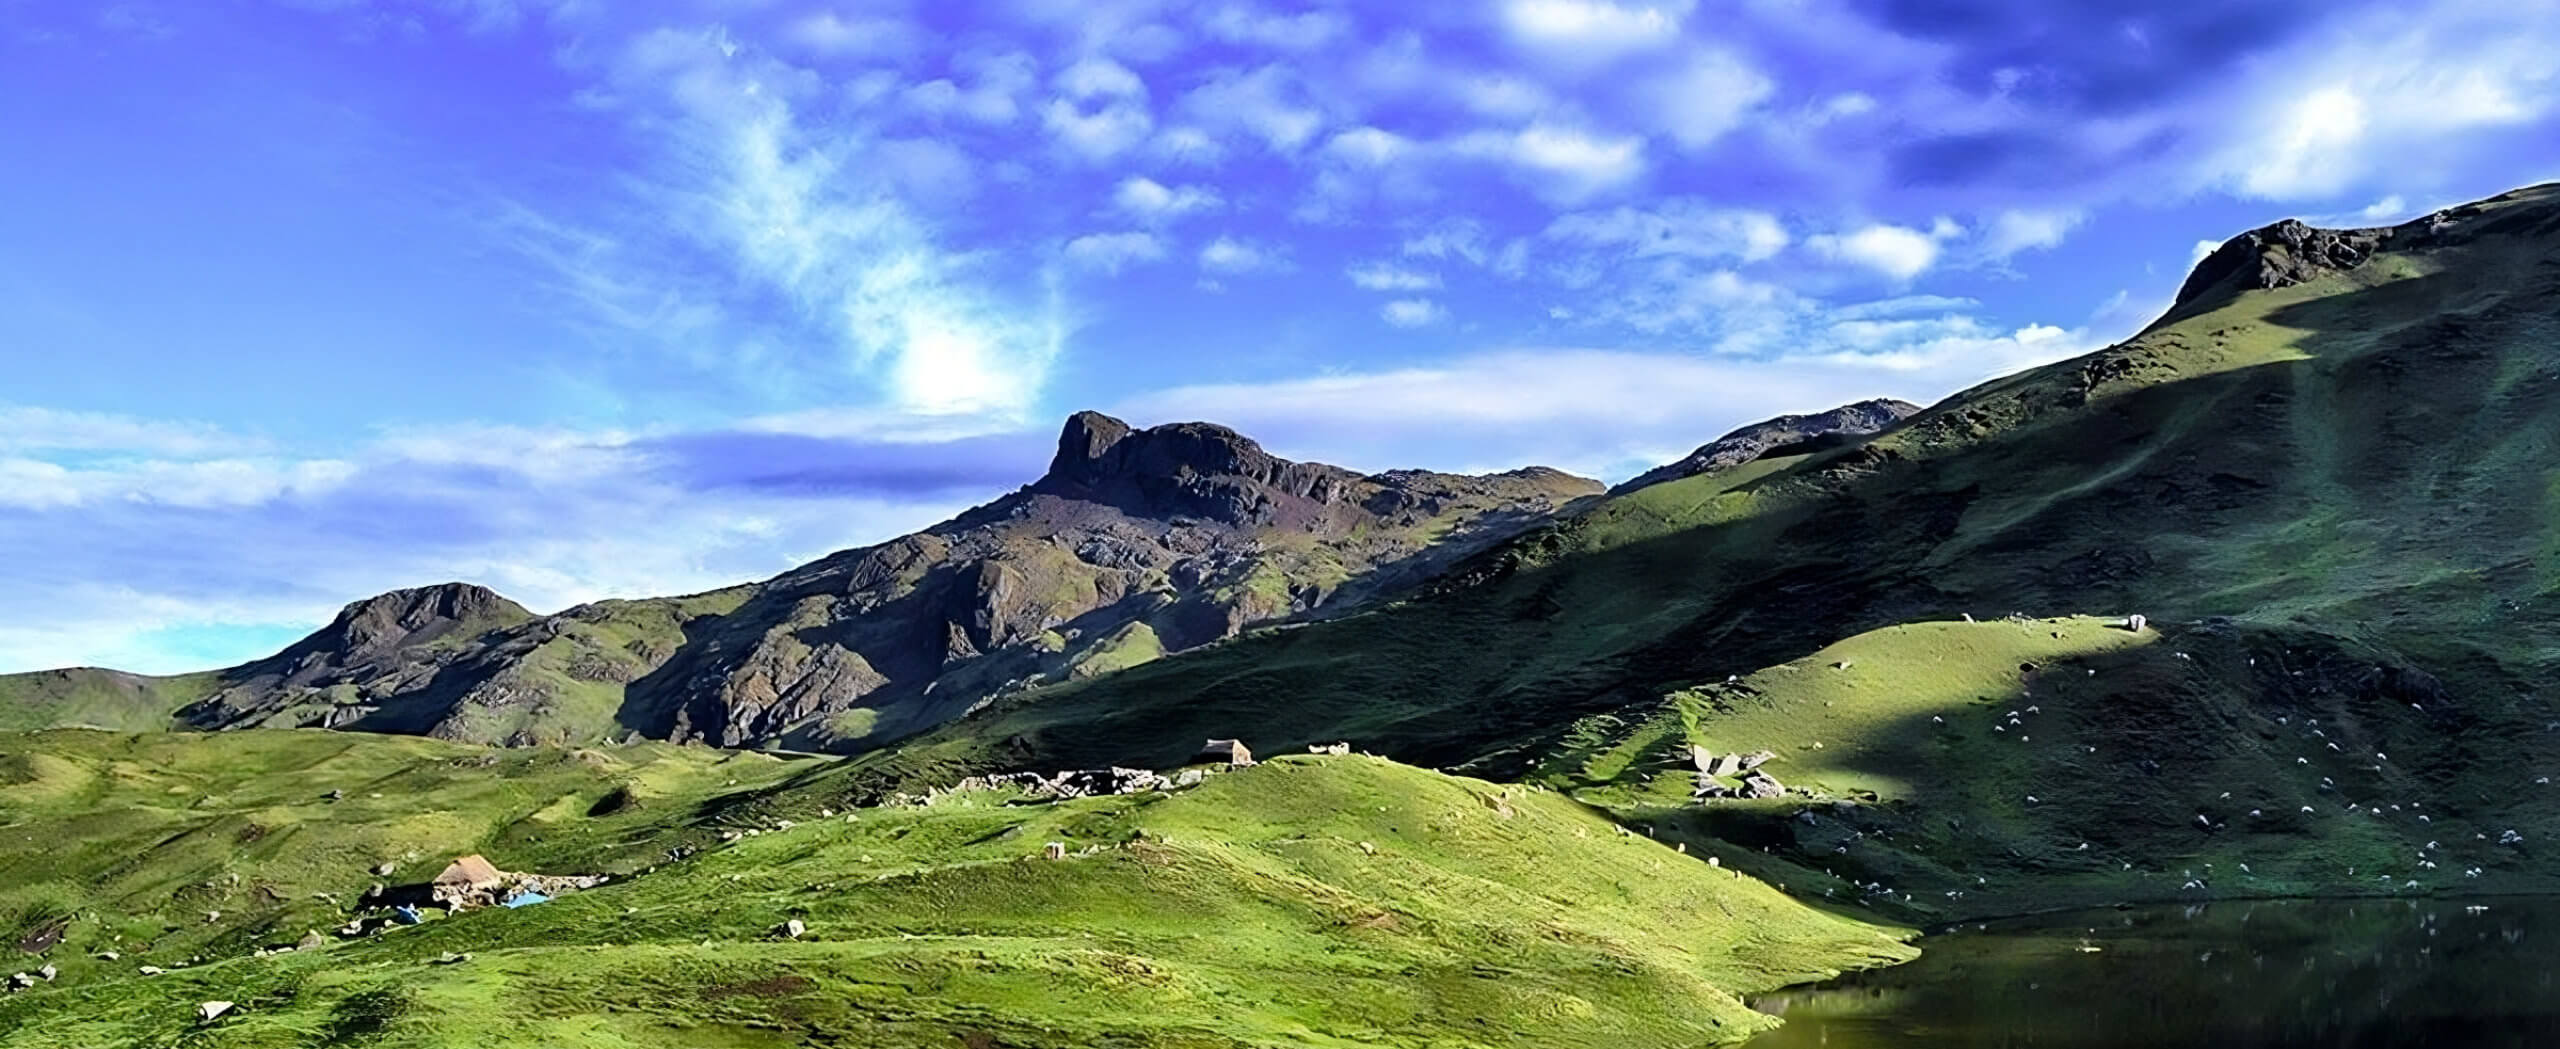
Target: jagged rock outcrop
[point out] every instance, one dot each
(2284, 254)
(381, 647)
(1786, 434)
(1135, 543)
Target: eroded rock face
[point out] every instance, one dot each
(2285, 254)
(385, 645)
(1785, 434)
(1137, 542)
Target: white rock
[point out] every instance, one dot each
(209, 1011)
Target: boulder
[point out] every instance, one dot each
(211, 1011)
(1761, 785)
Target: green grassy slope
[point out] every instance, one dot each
(1304, 902)
(2365, 456)
(2121, 766)
(133, 839)
(93, 698)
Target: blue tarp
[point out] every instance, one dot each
(527, 899)
(407, 915)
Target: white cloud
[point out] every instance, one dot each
(2014, 231)
(1229, 255)
(1111, 252)
(1680, 226)
(1564, 164)
(1412, 313)
(1152, 201)
(1266, 104)
(1387, 276)
(1098, 134)
(1602, 413)
(2390, 207)
(1458, 238)
(2370, 89)
(1705, 97)
(1895, 251)
(1500, 95)
(834, 35)
(1100, 78)
(1590, 30)
(1369, 147)
(25, 428)
(1305, 30)
(2305, 156)
(997, 83)
(799, 209)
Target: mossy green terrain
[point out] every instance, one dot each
(89, 697)
(2363, 456)
(1303, 902)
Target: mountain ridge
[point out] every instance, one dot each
(1135, 542)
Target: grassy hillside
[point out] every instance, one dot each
(1304, 902)
(130, 840)
(2366, 456)
(2030, 764)
(93, 698)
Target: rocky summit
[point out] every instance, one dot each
(1784, 435)
(1135, 543)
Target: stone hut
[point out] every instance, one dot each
(470, 878)
(1224, 751)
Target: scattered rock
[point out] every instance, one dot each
(1760, 784)
(152, 970)
(1335, 749)
(384, 869)
(48, 973)
(450, 959)
(211, 1011)
(1056, 850)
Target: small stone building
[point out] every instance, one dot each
(469, 879)
(1226, 751)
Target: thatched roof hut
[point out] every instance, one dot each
(469, 872)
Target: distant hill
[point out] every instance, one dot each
(1136, 543)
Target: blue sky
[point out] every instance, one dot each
(301, 300)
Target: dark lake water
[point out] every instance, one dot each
(2427, 974)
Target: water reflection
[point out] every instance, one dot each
(2439, 974)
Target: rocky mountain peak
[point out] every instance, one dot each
(2284, 254)
(1095, 448)
(1786, 434)
(405, 617)
(1180, 470)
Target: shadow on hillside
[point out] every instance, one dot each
(2092, 491)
